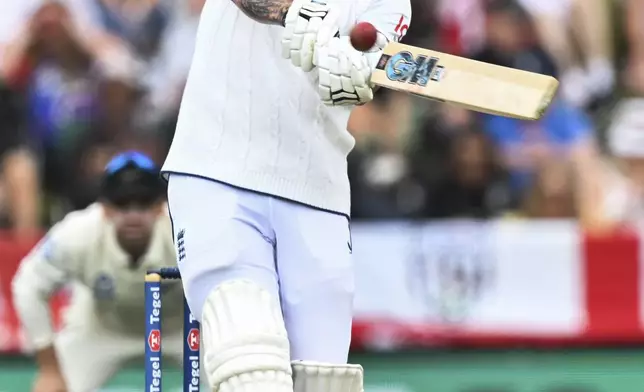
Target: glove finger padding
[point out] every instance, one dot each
(344, 74)
(305, 23)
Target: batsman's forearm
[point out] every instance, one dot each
(265, 11)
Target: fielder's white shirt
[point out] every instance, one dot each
(249, 118)
(108, 292)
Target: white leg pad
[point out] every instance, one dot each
(246, 348)
(325, 377)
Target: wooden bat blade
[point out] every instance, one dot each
(469, 83)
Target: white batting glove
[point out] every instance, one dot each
(344, 74)
(307, 22)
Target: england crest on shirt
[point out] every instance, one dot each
(103, 287)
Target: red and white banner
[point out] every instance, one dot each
(491, 283)
(468, 283)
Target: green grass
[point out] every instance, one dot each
(439, 371)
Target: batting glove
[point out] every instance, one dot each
(306, 23)
(344, 74)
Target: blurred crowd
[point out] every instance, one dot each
(83, 79)
(583, 160)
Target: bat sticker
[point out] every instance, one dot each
(403, 68)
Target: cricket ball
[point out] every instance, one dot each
(363, 36)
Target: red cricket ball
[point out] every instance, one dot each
(363, 36)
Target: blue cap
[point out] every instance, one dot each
(132, 178)
(130, 158)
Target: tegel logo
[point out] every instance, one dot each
(154, 366)
(154, 340)
(191, 356)
(155, 315)
(193, 339)
(193, 360)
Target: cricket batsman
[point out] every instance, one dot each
(104, 250)
(258, 187)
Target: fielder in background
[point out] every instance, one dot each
(258, 187)
(105, 251)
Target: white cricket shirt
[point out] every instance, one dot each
(250, 119)
(108, 293)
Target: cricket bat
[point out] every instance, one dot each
(468, 83)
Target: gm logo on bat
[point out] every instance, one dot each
(403, 68)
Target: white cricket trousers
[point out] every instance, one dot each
(299, 254)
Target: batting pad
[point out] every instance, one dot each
(325, 377)
(246, 348)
